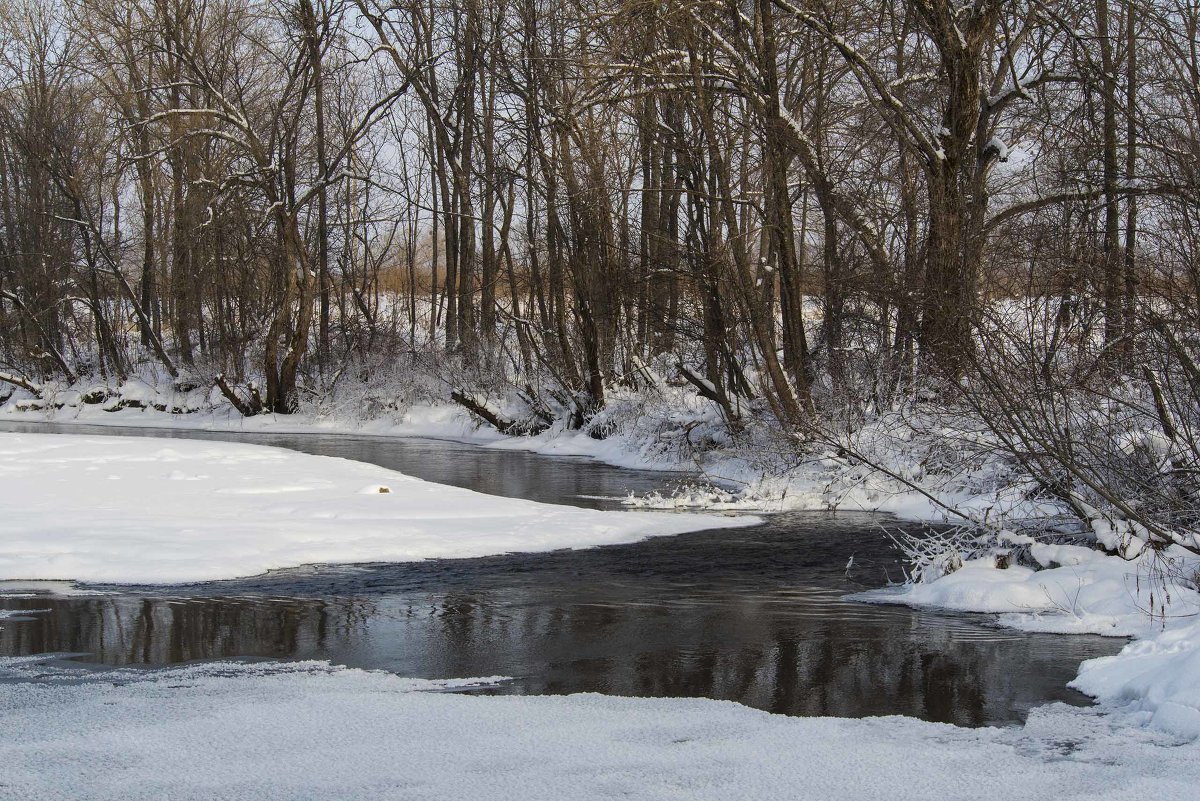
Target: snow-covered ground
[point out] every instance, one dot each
(1077, 590)
(1141, 742)
(442, 421)
(436, 421)
(738, 480)
(1156, 678)
(309, 731)
(140, 510)
(671, 429)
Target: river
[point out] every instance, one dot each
(755, 615)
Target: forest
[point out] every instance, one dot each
(977, 221)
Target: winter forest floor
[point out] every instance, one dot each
(270, 731)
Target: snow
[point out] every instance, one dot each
(440, 421)
(1079, 590)
(1153, 598)
(140, 510)
(432, 421)
(662, 427)
(1087, 592)
(1154, 683)
(34, 589)
(1158, 679)
(309, 730)
(997, 144)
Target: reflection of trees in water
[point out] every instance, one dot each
(794, 658)
(783, 663)
(122, 630)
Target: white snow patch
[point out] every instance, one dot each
(997, 144)
(112, 509)
(9, 614)
(309, 730)
(1157, 678)
(1080, 591)
(34, 589)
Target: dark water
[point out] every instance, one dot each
(754, 615)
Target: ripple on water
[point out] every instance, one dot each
(754, 615)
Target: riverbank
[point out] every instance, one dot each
(1155, 679)
(1149, 693)
(668, 429)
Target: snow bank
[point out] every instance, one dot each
(442, 421)
(34, 589)
(1156, 678)
(669, 428)
(434, 421)
(1078, 591)
(304, 731)
(138, 510)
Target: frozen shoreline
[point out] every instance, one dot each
(144, 510)
(818, 485)
(309, 730)
(1152, 686)
(1155, 679)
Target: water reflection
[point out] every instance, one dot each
(753, 615)
(155, 631)
(706, 615)
(513, 474)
